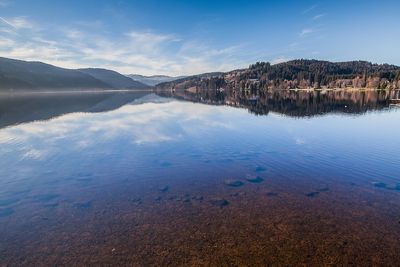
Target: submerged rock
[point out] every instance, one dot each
(137, 200)
(233, 183)
(164, 189)
(220, 202)
(198, 198)
(312, 194)
(379, 184)
(394, 187)
(386, 186)
(254, 179)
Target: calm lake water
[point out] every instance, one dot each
(140, 179)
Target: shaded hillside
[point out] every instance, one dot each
(24, 75)
(297, 74)
(114, 78)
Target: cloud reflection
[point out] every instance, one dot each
(137, 123)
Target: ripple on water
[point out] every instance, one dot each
(83, 205)
(8, 201)
(46, 197)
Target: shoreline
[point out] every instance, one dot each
(16, 93)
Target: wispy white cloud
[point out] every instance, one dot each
(318, 16)
(145, 52)
(306, 31)
(309, 9)
(17, 22)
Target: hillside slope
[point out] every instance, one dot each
(114, 78)
(24, 75)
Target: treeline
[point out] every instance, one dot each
(297, 74)
(318, 74)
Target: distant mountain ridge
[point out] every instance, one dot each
(153, 79)
(19, 75)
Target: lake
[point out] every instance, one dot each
(175, 178)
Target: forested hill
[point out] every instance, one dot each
(301, 74)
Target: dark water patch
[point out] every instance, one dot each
(84, 181)
(225, 160)
(165, 164)
(46, 197)
(172, 198)
(220, 202)
(334, 157)
(6, 212)
(271, 194)
(8, 201)
(83, 176)
(260, 169)
(379, 184)
(164, 189)
(323, 189)
(312, 194)
(395, 187)
(83, 205)
(254, 179)
(233, 183)
(158, 199)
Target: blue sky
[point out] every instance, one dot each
(189, 37)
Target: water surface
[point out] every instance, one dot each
(147, 180)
